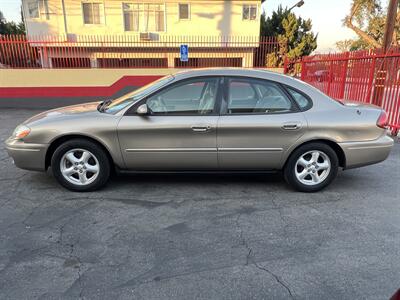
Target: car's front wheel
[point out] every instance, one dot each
(80, 165)
(311, 167)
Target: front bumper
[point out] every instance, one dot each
(27, 156)
(360, 154)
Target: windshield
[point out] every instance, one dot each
(132, 97)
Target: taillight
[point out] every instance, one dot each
(383, 121)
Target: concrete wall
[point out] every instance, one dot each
(14, 78)
(49, 88)
(207, 18)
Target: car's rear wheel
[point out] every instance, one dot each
(311, 167)
(80, 165)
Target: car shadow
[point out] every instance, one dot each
(196, 178)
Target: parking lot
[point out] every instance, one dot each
(198, 236)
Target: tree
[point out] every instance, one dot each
(351, 45)
(10, 27)
(15, 55)
(344, 45)
(294, 34)
(367, 19)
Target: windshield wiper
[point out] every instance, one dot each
(103, 105)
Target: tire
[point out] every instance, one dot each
(80, 165)
(305, 174)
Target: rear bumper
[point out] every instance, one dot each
(26, 155)
(360, 154)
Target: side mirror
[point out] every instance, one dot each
(142, 110)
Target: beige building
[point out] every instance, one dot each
(148, 25)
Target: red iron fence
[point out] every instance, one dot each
(144, 51)
(365, 76)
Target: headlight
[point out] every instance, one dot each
(21, 131)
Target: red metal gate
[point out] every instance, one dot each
(364, 76)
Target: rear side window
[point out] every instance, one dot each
(253, 96)
(302, 101)
(239, 90)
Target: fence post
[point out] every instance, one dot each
(285, 65)
(344, 75)
(371, 79)
(303, 69)
(380, 81)
(44, 57)
(330, 76)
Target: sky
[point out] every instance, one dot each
(11, 9)
(326, 16)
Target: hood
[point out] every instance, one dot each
(67, 111)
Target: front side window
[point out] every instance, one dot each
(143, 17)
(193, 97)
(33, 9)
(249, 12)
(253, 96)
(184, 13)
(92, 12)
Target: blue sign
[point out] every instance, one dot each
(184, 52)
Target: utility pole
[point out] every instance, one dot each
(387, 42)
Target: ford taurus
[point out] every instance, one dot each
(214, 120)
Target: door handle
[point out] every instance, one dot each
(291, 126)
(201, 128)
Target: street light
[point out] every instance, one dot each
(298, 4)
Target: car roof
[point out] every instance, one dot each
(257, 73)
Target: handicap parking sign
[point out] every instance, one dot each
(184, 52)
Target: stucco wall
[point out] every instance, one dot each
(208, 18)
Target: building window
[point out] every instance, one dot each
(33, 9)
(92, 12)
(249, 12)
(144, 17)
(184, 12)
(131, 16)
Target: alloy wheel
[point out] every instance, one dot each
(79, 167)
(313, 167)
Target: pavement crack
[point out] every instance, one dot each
(72, 256)
(277, 278)
(251, 259)
(78, 270)
(242, 240)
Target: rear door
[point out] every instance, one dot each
(259, 121)
(179, 133)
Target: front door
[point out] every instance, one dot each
(259, 122)
(179, 133)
